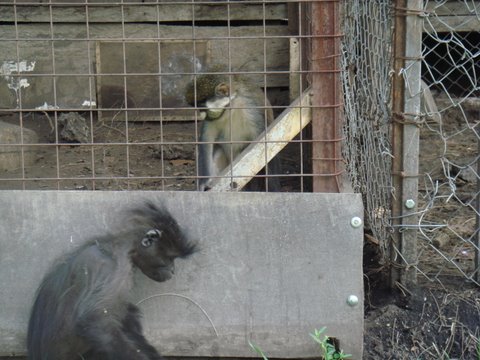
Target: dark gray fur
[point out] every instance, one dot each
(81, 308)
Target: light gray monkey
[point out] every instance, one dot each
(234, 112)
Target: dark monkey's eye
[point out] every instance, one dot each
(150, 237)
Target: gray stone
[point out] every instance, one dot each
(74, 128)
(11, 156)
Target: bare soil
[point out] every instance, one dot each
(110, 164)
(433, 321)
(440, 319)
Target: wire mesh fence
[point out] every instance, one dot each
(449, 156)
(97, 89)
(367, 61)
(448, 122)
(93, 114)
(92, 97)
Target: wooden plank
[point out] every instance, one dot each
(452, 16)
(295, 75)
(452, 23)
(411, 142)
(406, 139)
(268, 271)
(151, 90)
(74, 50)
(266, 146)
(142, 12)
(327, 99)
(453, 8)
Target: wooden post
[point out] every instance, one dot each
(326, 102)
(405, 139)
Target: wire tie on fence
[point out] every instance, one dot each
(401, 11)
(327, 106)
(410, 58)
(327, 36)
(328, 159)
(407, 119)
(327, 57)
(335, 174)
(327, 71)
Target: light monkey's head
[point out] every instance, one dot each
(211, 92)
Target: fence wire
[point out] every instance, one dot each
(449, 141)
(84, 111)
(449, 163)
(367, 83)
(53, 53)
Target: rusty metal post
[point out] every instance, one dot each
(327, 163)
(405, 140)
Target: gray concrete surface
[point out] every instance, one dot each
(273, 267)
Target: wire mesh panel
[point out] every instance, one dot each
(448, 118)
(367, 63)
(94, 93)
(449, 153)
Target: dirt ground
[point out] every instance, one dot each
(111, 165)
(437, 320)
(433, 321)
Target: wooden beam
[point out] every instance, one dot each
(139, 12)
(452, 16)
(295, 77)
(405, 141)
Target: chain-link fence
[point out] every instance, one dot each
(447, 207)
(449, 135)
(367, 59)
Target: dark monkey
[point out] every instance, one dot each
(81, 309)
(235, 112)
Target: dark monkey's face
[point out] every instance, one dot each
(152, 256)
(68, 316)
(154, 252)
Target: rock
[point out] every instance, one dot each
(74, 128)
(11, 156)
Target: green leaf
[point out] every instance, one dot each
(258, 350)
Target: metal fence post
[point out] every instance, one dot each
(326, 101)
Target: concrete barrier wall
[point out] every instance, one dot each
(273, 267)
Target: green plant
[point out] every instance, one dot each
(258, 350)
(328, 349)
